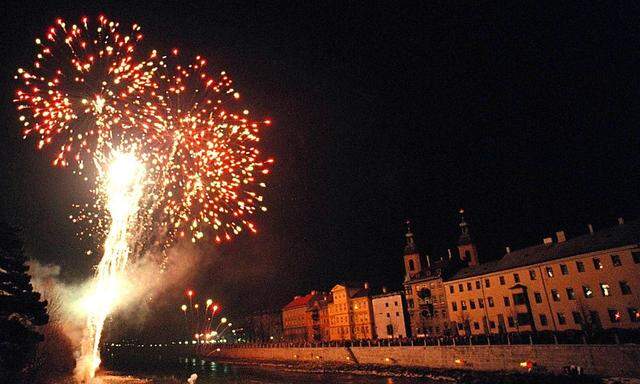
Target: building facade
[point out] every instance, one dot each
(263, 326)
(350, 312)
(298, 319)
(586, 283)
(389, 315)
(319, 315)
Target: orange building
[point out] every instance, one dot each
(298, 317)
(586, 283)
(319, 315)
(350, 313)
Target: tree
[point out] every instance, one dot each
(21, 309)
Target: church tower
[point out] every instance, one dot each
(412, 263)
(466, 247)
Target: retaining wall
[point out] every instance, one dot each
(603, 360)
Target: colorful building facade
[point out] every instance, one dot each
(350, 312)
(389, 315)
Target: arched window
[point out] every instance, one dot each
(411, 266)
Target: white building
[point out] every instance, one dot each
(389, 315)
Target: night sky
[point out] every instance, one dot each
(526, 116)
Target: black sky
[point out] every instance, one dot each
(525, 115)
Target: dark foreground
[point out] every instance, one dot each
(170, 370)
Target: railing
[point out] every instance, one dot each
(613, 337)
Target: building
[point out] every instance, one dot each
(297, 317)
(424, 289)
(389, 315)
(263, 326)
(319, 315)
(350, 313)
(585, 283)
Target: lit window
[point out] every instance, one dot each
(532, 274)
(634, 315)
(605, 289)
(614, 316)
(564, 269)
(625, 288)
(615, 260)
(580, 266)
(597, 264)
(549, 271)
(571, 294)
(555, 295)
(588, 293)
(490, 301)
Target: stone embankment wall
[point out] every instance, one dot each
(603, 360)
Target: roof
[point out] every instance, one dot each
(301, 301)
(395, 293)
(613, 237)
(354, 289)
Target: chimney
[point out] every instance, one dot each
(384, 289)
(366, 285)
(508, 249)
(547, 241)
(428, 261)
(590, 229)
(620, 221)
(449, 251)
(561, 236)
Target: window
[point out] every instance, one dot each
(516, 278)
(555, 295)
(460, 288)
(451, 289)
(519, 299)
(395, 303)
(571, 294)
(506, 302)
(588, 293)
(561, 319)
(490, 302)
(492, 324)
(511, 322)
(397, 314)
(532, 274)
(501, 280)
(634, 315)
(580, 266)
(386, 305)
(625, 288)
(549, 271)
(577, 317)
(615, 260)
(476, 325)
(597, 264)
(477, 284)
(543, 320)
(523, 318)
(468, 286)
(605, 289)
(538, 297)
(454, 306)
(614, 315)
(636, 257)
(486, 283)
(564, 269)
(463, 305)
(388, 314)
(481, 302)
(411, 265)
(472, 304)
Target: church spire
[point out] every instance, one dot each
(466, 247)
(465, 236)
(410, 246)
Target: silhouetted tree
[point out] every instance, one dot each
(21, 309)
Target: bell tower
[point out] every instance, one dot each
(412, 262)
(466, 247)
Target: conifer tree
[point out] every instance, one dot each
(21, 309)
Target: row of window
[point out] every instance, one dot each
(616, 261)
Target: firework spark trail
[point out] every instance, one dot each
(123, 186)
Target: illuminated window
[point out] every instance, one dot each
(564, 269)
(571, 294)
(532, 274)
(625, 288)
(615, 260)
(614, 315)
(588, 293)
(597, 264)
(605, 289)
(555, 295)
(549, 271)
(634, 315)
(580, 266)
(490, 301)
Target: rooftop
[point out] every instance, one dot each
(613, 237)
